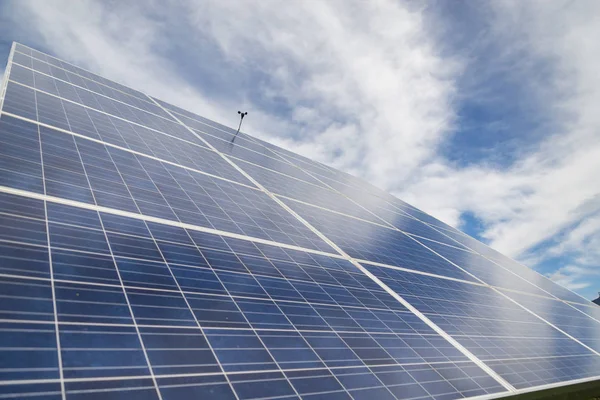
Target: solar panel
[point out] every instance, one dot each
(146, 255)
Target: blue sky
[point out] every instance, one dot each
(484, 115)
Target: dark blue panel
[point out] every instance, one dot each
(135, 247)
(73, 216)
(317, 383)
(142, 309)
(77, 238)
(21, 74)
(139, 273)
(175, 350)
(158, 308)
(123, 225)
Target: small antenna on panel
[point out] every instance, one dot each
(242, 115)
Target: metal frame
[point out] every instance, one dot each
(4, 82)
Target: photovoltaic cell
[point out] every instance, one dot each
(148, 253)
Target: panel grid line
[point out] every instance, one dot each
(54, 305)
(126, 296)
(384, 224)
(83, 77)
(286, 301)
(409, 234)
(285, 158)
(124, 148)
(518, 304)
(463, 350)
(232, 373)
(226, 234)
(58, 200)
(182, 293)
(105, 113)
(332, 330)
(91, 91)
(198, 323)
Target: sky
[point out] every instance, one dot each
(483, 114)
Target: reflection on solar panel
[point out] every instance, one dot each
(143, 255)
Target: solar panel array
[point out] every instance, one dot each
(146, 253)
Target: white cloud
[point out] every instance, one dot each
(367, 87)
(556, 185)
(581, 245)
(574, 277)
(368, 74)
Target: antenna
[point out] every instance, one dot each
(242, 115)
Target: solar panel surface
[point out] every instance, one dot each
(144, 254)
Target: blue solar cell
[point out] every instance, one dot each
(24, 260)
(35, 352)
(20, 74)
(51, 391)
(20, 100)
(20, 162)
(75, 266)
(25, 300)
(24, 230)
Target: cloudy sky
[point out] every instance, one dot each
(483, 114)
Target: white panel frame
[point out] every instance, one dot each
(6, 74)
